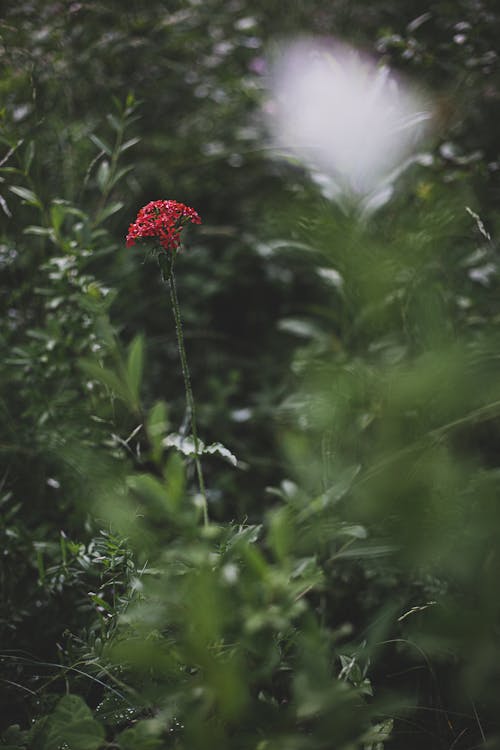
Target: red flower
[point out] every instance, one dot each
(164, 221)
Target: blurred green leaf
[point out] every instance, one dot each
(72, 724)
(29, 156)
(103, 174)
(135, 365)
(108, 378)
(157, 425)
(27, 195)
(101, 144)
(143, 735)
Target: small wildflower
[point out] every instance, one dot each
(164, 221)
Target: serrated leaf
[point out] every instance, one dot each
(184, 445)
(222, 451)
(135, 362)
(72, 724)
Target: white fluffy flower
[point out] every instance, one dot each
(343, 116)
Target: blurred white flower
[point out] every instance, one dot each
(353, 123)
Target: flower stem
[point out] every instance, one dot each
(187, 386)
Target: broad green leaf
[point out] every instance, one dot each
(135, 362)
(73, 725)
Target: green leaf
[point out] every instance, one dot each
(107, 378)
(142, 736)
(374, 738)
(11, 170)
(109, 211)
(72, 724)
(157, 424)
(28, 156)
(14, 738)
(175, 481)
(119, 174)
(222, 451)
(115, 123)
(101, 144)
(185, 445)
(128, 144)
(40, 231)
(4, 206)
(135, 364)
(103, 174)
(57, 213)
(152, 492)
(28, 196)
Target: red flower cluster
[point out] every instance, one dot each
(163, 220)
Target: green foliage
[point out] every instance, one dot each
(70, 724)
(343, 593)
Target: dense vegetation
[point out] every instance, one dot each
(346, 377)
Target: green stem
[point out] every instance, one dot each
(187, 385)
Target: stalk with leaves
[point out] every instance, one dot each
(163, 221)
